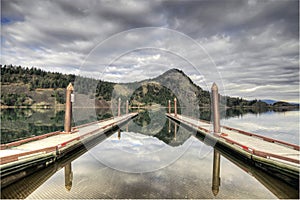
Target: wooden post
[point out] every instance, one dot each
(119, 108)
(216, 173)
(215, 108)
(169, 106)
(68, 111)
(175, 107)
(127, 107)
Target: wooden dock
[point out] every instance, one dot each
(273, 155)
(21, 158)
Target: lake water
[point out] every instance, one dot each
(151, 157)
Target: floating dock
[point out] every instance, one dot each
(21, 158)
(274, 156)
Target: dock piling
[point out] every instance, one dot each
(127, 106)
(215, 108)
(175, 107)
(68, 111)
(119, 108)
(169, 106)
(175, 131)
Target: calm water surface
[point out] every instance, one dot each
(151, 157)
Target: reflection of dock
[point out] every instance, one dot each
(25, 186)
(282, 182)
(216, 173)
(68, 176)
(256, 147)
(19, 159)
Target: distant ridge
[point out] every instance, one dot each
(269, 101)
(274, 102)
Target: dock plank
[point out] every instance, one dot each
(248, 142)
(57, 140)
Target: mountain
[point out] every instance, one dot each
(173, 83)
(158, 91)
(279, 103)
(269, 101)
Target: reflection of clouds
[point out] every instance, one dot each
(188, 177)
(278, 125)
(137, 153)
(135, 143)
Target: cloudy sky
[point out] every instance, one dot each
(249, 47)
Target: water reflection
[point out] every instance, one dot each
(23, 123)
(141, 152)
(216, 180)
(68, 176)
(188, 177)
(281, 189)
(146, 147)
(119, 134)
(27, 185)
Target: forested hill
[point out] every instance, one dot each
(32, 86)
(35, 87)
(34, 77)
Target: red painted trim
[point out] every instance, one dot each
(11, 158)
(15, 157)
(264, 138)
(88, 124)
(186, 122)
(245, 148)
(268, 155)
(18, 143)
(92, 132)
(296, 147)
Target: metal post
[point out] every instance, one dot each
(119, 108)
(175, 107)
(215, 108)
(68, 111)
(216, 173)
(127, 106)
(169, 106)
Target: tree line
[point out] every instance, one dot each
(102, 90)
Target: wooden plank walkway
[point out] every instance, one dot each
(251, 143)
(56, 141)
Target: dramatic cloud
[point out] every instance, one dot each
(253, 44)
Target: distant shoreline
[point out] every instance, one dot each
(62, 106)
